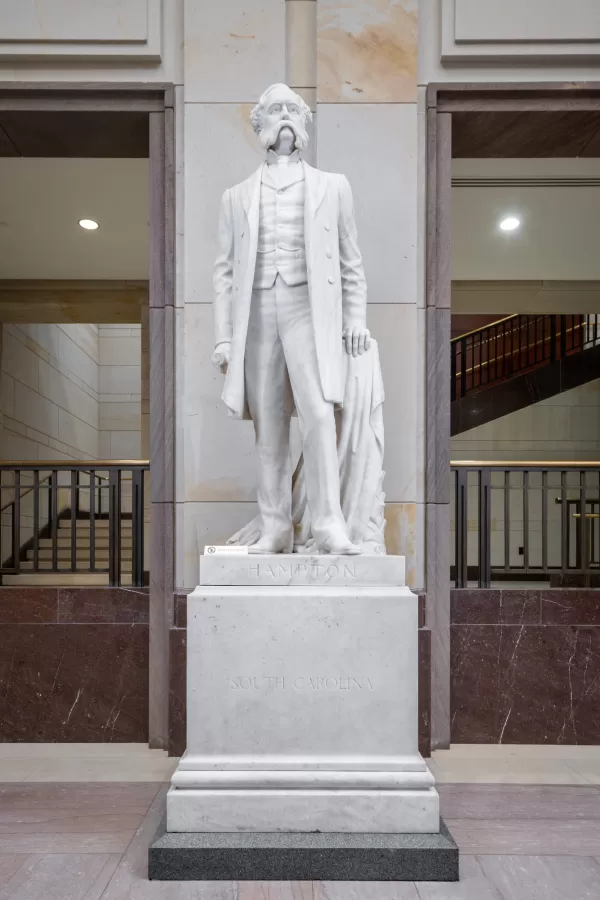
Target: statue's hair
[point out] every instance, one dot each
(256, 116)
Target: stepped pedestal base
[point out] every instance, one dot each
(302, 758)
(304, 857)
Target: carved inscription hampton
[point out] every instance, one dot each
(300, 683)
(309, 570)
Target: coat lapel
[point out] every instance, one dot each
(251, 201)
(316, 186)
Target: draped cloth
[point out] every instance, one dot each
(359, 424)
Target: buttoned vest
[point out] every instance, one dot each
(281, 249)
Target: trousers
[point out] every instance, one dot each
(281, 370)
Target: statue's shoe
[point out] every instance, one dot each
(271, 543)
(339, 545)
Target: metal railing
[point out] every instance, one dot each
(525, 519)
(515, 345)
(65, 517)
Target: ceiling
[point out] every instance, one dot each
(558, 202)
(41, 202)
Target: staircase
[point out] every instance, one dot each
(83, 556)
(518, 361)
(96, 540)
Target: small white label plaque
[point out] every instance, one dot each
(225, 550)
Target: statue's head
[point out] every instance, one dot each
(278, 108)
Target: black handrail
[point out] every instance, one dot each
(525, 520)
(114, 490)
(514, 345)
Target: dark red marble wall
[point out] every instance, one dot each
(526, 666)
(73, 664)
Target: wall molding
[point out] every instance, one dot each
(484, 31)
(123, 31)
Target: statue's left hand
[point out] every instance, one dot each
(357, 340)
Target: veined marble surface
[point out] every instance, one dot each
(278, 570)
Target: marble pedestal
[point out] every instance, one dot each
(302, 705)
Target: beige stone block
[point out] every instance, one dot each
(375, 146)
(104, 445)
(125, 444)
(46, 336)
(17, 447)
(208, 523)
(120, 379)
(404, 536)
(301, 43)
(85, 336)
(232, 50)
(67, 395)
(7, 394)
(367, 51)
(76, 433)
(76, 360)
(35, 411)
(119, 416)
(19, 361)
(120, 350)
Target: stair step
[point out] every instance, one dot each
(84, 524)
(83, 541)
(83, 554)
(27, 565)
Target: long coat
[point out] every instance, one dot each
(336, 281)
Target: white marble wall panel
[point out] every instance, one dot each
(64, 20)
(221, 149)
(49, 391)
(232, 50)
(375, 146)
(219, 457)
(395, 328)
(120, 379)
(487, 62)
(367, 51)
(165, 51)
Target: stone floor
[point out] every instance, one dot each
(76, 821)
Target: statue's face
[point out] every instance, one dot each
(280, 111)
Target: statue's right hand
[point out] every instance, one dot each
(220, 357)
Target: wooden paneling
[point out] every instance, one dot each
(117, 135)
(526, 134)
(55, 302)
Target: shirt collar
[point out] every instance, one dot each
(272, 157)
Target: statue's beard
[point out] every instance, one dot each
(268, 136)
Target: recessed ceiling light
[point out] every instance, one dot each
(510, 223)
(89, 224)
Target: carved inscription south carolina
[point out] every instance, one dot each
(300, 683)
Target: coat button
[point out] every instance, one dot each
(331, 279)
(326, 226)
(328, 254)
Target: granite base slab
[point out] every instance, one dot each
(303, 857)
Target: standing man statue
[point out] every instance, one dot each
(290, 298)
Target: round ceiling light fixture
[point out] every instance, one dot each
(89, 224)
(510, 223)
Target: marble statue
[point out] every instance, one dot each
(291, 336)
